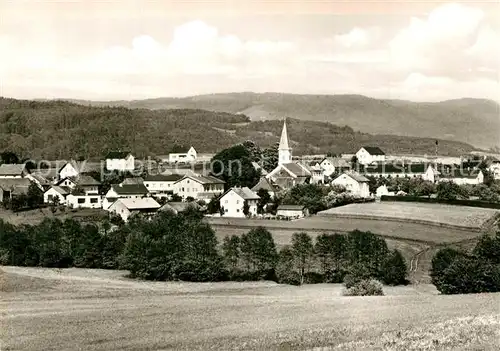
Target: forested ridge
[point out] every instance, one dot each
(60, 129)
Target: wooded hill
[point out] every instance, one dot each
(474, 121)
(60, 129)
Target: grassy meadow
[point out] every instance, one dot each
(85, 309)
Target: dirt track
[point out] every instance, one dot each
(75, 309)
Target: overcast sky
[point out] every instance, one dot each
(422, 51)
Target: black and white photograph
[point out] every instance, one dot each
(224, 175)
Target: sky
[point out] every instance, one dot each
(109, 50)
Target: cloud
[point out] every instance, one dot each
(357, 37)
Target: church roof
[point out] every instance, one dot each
(284, 138)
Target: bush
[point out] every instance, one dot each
(394, 269)
(356, 274)
(440, 262)
(366, 287)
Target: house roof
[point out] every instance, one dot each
(134, 180)
(147, 203)
(163, 177)
(86, 180)
(454, 173)
(41, 179)
(48, 173)
(117, 155)
(374, 150)
(130, 189)
(284, 138)
(60, 189)
(179, 206)
(18, 185)
(356, 176)
(336, 161)
(394, 168)
(12, 169)
(296, 169)
(245, 193)
(256, 166)
(264, 183)
(291, 207)
(203, 179)
(182, 150)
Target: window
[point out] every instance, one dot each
(237, 202)
(50, 197)
(226, 201)
(238, 210)
(81, 201)
(94, 200)
(188, 181)
(182, 189)
(226, 210)
(147, 185)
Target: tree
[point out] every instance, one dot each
(302, 249)
(331, 251)
(34, 196)
(441, 261)
(234, 166)
(176, 198)
(258, 250)
(488, 248)
(449, 191)
(264, 198)
(231, 251)
(189, 199)
(214, 205)
(9, 157)
(246, 208)
(394, 269)
(285, 269)
(309, 195)
(270, 157)
(221, 211)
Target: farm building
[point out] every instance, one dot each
(124, 191)
(13, 170)
(292, 211)
(462, 176)
(161, 185)
(10, 187)
(186, 155)
(126, 208)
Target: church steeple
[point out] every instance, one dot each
(284, 151)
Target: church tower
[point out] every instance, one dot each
(284, 151)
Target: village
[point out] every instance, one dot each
(176, 181)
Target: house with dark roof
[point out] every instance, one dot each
(266, 184)
(199, 187)
(75, 168)
(354, 183)
(460, 175)
(55, 191)
(162, 185)
(331, 165)
(370, 154)
(13, 170)
(233, 202)
(121, 161)
(186, 155)
(88, 184)
(117, 191)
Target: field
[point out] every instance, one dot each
(445, 215)
(33, 217)
(78, 309)
(417, 232)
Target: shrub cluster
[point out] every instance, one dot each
(365, 287)
(457, 272)
(471, 203)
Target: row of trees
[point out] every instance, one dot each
(183, 247)
(458, 272)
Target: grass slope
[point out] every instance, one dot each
(58, 129)
(474, 121)
(99, 310)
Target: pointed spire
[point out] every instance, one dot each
(284, 138)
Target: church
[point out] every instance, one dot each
(288, 173)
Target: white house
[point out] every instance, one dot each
(128, 207)
(494, 166)
(383, 191)
(84, 201)
(89, 185)
(13, 170)
(199, 187)
(161, 185)
(69, 170)
(394, 170)
(117, 191)
(354, 183)
(186, 155)
(120, 161)
(370, 154)
(233, 202)
(462, 176)
(292, 211)
(56, 192)
(330, 165)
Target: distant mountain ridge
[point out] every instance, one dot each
(473, 121)
(62, 130)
